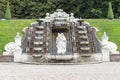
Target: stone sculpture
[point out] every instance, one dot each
(14, 48)
(18, 39)
(61, 43)
(73, 39)
(104, 39)
(9, 48)
(107, 44)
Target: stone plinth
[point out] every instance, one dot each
(6, 58)
(115, 57)
(105, 54)
(17, 54)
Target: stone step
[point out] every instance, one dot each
(85, 37)
(38, 42)
(40, 37)
(37, 49)
(82, 32)
(39, 32)
(85, 48)
(40, 27)
(81, 27)
(36, 55)
(84, 42)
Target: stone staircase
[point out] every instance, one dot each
(84, 40)
(38, 43)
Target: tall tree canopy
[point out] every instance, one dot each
(82, 8)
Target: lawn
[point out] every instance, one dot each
(8, 29)
(111, 27)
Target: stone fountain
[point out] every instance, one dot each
(60, 37)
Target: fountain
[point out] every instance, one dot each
(60, 38)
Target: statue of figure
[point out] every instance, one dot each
(104, 38)
(61, 43)
(108, 44)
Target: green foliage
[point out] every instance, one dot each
(8, 12)
(110, 11)
(1, 15)
(30, 9)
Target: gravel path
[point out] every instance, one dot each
(101, 71)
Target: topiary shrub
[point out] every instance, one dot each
(110, 11)
(8, 12)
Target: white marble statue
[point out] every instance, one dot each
(104, 38)
(11, 46)
(109, 45)
(61, 43)
(107, 48)
(18, 39)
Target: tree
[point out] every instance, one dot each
(8, 12)
(28, 9)
(110, 11)
(1, 14)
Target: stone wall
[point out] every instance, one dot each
(114, 57)
(6, 58)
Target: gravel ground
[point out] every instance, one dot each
(101, 71)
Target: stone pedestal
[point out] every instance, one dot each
(17, 54)
(105, 54)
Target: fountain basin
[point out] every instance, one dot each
(61, 57)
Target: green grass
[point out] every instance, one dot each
(111, 27)
(9, 28)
